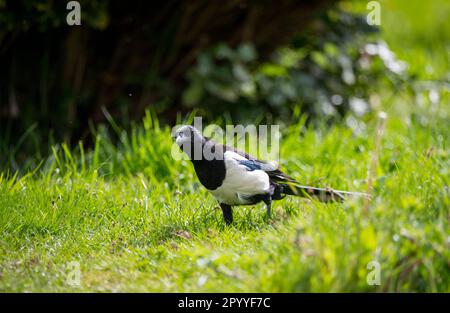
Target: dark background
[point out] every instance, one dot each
(239, 60)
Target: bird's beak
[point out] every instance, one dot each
(179, 139)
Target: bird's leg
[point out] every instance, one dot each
(227, 213)
(268, 201)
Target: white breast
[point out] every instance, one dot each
(239, 182)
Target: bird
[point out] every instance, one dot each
(236, 178)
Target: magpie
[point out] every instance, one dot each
(235, 178)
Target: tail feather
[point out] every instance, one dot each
(322, 194)
(286, 185)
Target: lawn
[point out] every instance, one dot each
(136, 220)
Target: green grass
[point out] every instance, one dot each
(417, 31)
(137, 220)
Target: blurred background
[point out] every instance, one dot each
(239, 61)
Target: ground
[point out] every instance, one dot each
(137, 220)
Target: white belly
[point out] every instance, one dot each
(229, 197)
(239, 182)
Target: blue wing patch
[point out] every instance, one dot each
(250, 165)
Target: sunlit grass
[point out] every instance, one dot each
(137, 220)
(418, 32)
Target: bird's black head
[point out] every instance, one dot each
(188, 134)
(189, 139)
(195, 145)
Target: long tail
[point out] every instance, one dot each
(322, 194)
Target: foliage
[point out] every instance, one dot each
(331, 69)
(125, 57)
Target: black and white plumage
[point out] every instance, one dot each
(236, 178)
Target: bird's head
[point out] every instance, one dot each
(187, 134)
(195, 145)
